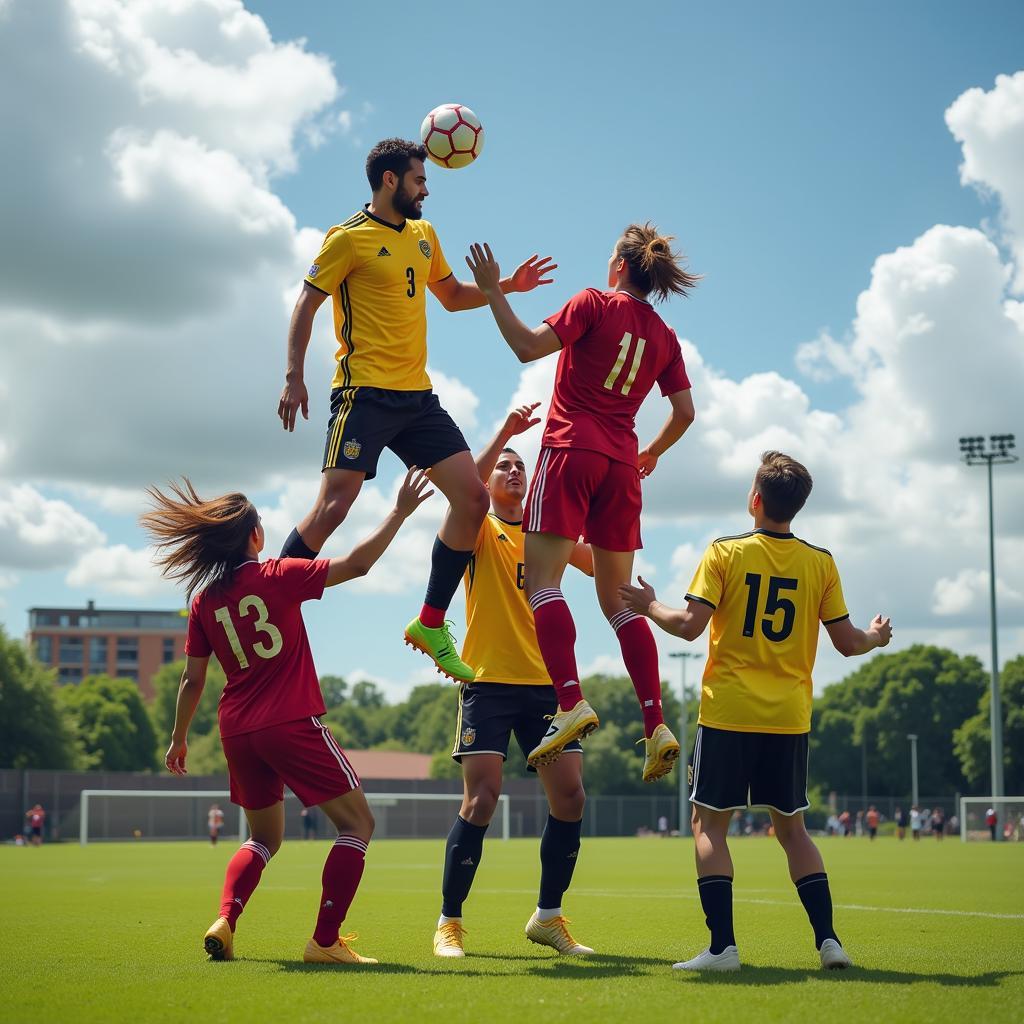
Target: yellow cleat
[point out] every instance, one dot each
(219, 941)
(339, 953)
(661, 753)
(448, 940)
(565, 727)
(555, 933)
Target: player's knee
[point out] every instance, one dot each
(272, 844)
(475, 502)
(479, 806)
(570, 803)
(789, 831)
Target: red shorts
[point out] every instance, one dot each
(302, 755)
(577, 493)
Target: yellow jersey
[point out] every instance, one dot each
(377, 276)
(769, 591)
(501, 638)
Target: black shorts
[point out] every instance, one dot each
(736, 770)
(365, 421)
(490, 712)
(37, 830)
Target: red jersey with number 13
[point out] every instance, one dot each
(615, 348)
(254, 626)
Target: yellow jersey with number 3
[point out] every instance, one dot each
(769, 592)
(377, 276)
(501, 638)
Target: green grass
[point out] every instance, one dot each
(114, 932)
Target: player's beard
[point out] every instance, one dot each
(405, 205)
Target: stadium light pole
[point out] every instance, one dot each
(912, 736)
(999, 451)
(684, 818)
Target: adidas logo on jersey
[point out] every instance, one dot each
(383, 251)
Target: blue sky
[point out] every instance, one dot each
(800, 153)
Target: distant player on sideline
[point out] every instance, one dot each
(36, 819)
(375, 266)
(215, 821)
(614, 349)
(249, 614)
(511, 693)
(764, 593)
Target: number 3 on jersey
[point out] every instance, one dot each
(264, 649)
(634, 367)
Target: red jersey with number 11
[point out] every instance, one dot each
(615, 348)
(254, 626)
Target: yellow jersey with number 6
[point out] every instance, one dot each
(377, 276)
(769, 592)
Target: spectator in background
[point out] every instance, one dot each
(938, 823)
(901, 823)
(36, 819)
(858, 827)
(954, 824)
(1020, 829)
(663, 827)
(215, 820)
(844, 823)
(915, 822)
(992, 819)
(308, 823)
(872, 821)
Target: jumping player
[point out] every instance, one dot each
(614, 348)
(248, 613)
(376, 267)
(512, 693)
(764, 593)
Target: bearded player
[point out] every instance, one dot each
(376, 267)
(512, 693)
(614, 349)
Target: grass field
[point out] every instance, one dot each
(113, 933)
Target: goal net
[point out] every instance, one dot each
(976, 813)
(171, 814)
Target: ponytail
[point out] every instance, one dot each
(653, 267)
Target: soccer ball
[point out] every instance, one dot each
(453, 135)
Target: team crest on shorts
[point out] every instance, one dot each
(351, 449)
(689, 775)
(468, 737)
(314, 270)
(425, 247)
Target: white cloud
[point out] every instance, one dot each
(119, 569)
(41, 533)
(969, 589)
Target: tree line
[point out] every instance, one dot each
(860, 725)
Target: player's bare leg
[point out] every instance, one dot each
(547, 555)
(640, 654)
(714, 884)
(807, 871)
(481, 787)
(343, 869)
(244, 870)
(458, 479)
(339, 488)
(559, 847)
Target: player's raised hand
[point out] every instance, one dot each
(486, 271)
(882, 628)
(520, 420)
(175, 759)
(413, 492)
(646, 462)
(532, 273)
(293, 398)
(638, 599)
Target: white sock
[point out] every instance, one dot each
(548, 915)
(442, 920)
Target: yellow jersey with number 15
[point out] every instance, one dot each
(769, 592)
(377, 275)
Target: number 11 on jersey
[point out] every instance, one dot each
(634, 366)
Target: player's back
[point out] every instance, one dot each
(253, 624)
(770, 591)
(615, 348)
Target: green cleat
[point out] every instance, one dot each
(439, 646)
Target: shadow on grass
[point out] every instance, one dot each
(759, 975)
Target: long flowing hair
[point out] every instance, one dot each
(654, 268)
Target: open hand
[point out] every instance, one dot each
(486, 271)
(531, 273)
(175, 759)
(520, 420)
(413, 492)
(293, 398)
(638, 599)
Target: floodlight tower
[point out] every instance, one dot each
(999, 451)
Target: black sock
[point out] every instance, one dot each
(295, 547)
(716, 900)
(817, 900)
(559, 846)
(446, 571)
(462, 855)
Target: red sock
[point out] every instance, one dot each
(342, 871)
(241, 878)
(432, 618)
(640, 653)
(556, 637)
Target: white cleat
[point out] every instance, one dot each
(555, 933)
(727, 960)
(448, 939)
(833, 956)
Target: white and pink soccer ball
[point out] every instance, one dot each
(453, 135)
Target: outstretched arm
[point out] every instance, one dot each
(688, 622)
(190, 690)
(676, 425)
(527, 344)
(518, 421)
(454, 294)
(850, 641)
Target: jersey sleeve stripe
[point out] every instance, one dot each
(309, 284)
(346, 333)
(829, 622)
(701, 600)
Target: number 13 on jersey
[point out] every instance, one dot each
(265, 649)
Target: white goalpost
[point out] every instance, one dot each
(191, 823)
(974, 818)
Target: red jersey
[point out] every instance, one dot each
(615, 348)
(36, 818)
(254, 626)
